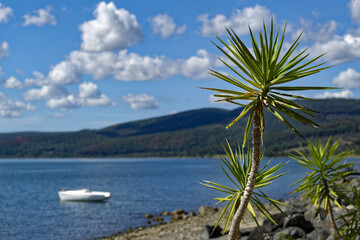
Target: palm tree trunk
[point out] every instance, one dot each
(234, 233)
(333, 221)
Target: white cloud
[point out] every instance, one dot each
(58, 115)
(213, 100)
(338, 50)
(64, 73)
(89, 96)
(173, 112)
(239, 21)
(349, 79)
(164, 25)
(38, 80)
(113, 29)
(5, 13)
(89, 90)
(196, 66)
(131, 66)
(318, 33)
(46, 92)
(342, 94)
(141, 101)
(12, 82)
(40, 18)
(12, 107)
(4, 49)
(355, 10)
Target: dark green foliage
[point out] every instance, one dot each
(192, 133)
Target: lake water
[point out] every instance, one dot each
(30, 207)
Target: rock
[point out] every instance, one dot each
(297, 205)
(206, 210)
(149, 216)
(318, 234)
(209, 232)
(268, 226)
(350, 207)
(293, 232)
(179, 211)
(192, 213)
(256, 234)
(158, 219)
(331, 237)
(298, 220)
(177, 215)
(245, 232)
(225, 237)
(166, 213)
(184, 216)
(311, 214)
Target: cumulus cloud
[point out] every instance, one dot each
(238, 21)
(349, 79)
(40, 18)
(141, 101)
(339, 49)
(11, 107)
(89, 90)
(355, 11)
(46, 92)
(319, 32)
(5, 13)
(4, 49)
(88, 96)
(342, 94)
(12, 82)
(123, 66)
(64, 73)
(164, 25)
(131, 66)
(112, 29)
(38, 80)
(196, 66)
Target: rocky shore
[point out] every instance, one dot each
(299, 222)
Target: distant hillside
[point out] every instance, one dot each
(190, 133)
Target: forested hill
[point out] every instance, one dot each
(190, 133)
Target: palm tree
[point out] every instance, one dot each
(236, 165)
(350, 227)
(324, 183)
(260, 76)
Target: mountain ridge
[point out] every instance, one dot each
(192, 133)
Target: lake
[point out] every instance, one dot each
(30, 207)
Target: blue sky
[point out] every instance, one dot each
(72, 65)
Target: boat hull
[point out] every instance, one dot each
(84, 195)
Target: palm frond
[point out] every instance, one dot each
(236, 165)
(262, 74)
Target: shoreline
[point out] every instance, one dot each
(200, 225)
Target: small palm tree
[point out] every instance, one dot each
(325, 182)
(351, 227)
(261, 76)
(236, 165)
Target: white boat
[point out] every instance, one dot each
(83, 195)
